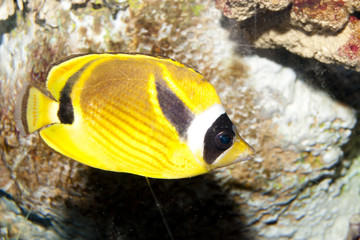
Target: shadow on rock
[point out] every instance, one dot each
(198, 208)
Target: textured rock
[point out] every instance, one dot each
(326, 30)
(302, 124)
(240, 9)
(274, 5)
(354, 227)
(243, 10)
(7, 8)
(319, 15)
(297, 130)
(18, 223)
(326, 214)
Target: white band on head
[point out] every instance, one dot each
(199, 126)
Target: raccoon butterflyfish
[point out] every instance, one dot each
(134, 113)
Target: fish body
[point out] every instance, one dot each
(134, 113)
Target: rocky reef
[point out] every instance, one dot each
(327, 30)
(297, 107)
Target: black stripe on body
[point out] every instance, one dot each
(212, 148)
(66, 109)
(173, 108)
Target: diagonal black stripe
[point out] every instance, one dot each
(66, 109)
(173, 108)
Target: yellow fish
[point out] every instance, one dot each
(134, 113)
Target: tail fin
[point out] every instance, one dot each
(34, 110)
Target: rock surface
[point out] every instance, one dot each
(7, 8)
(327, 30)
(298, 130)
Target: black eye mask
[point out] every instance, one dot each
(218, 138)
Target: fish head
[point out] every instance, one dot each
(236, 149)
(215, 141)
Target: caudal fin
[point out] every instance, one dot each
(34, 110)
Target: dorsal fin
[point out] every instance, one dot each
(186, 82)
(60, 72)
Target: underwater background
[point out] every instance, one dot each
(287, 72)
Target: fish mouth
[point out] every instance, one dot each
(247, 155)
(244, 155)
(243, 159)
(240, 159)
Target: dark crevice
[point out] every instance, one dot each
(76, 6)
(30, 216)
(356, 14)
(35, 218)
(7, 25)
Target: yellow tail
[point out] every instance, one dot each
(34, 110)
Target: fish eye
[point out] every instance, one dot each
(224, 140)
